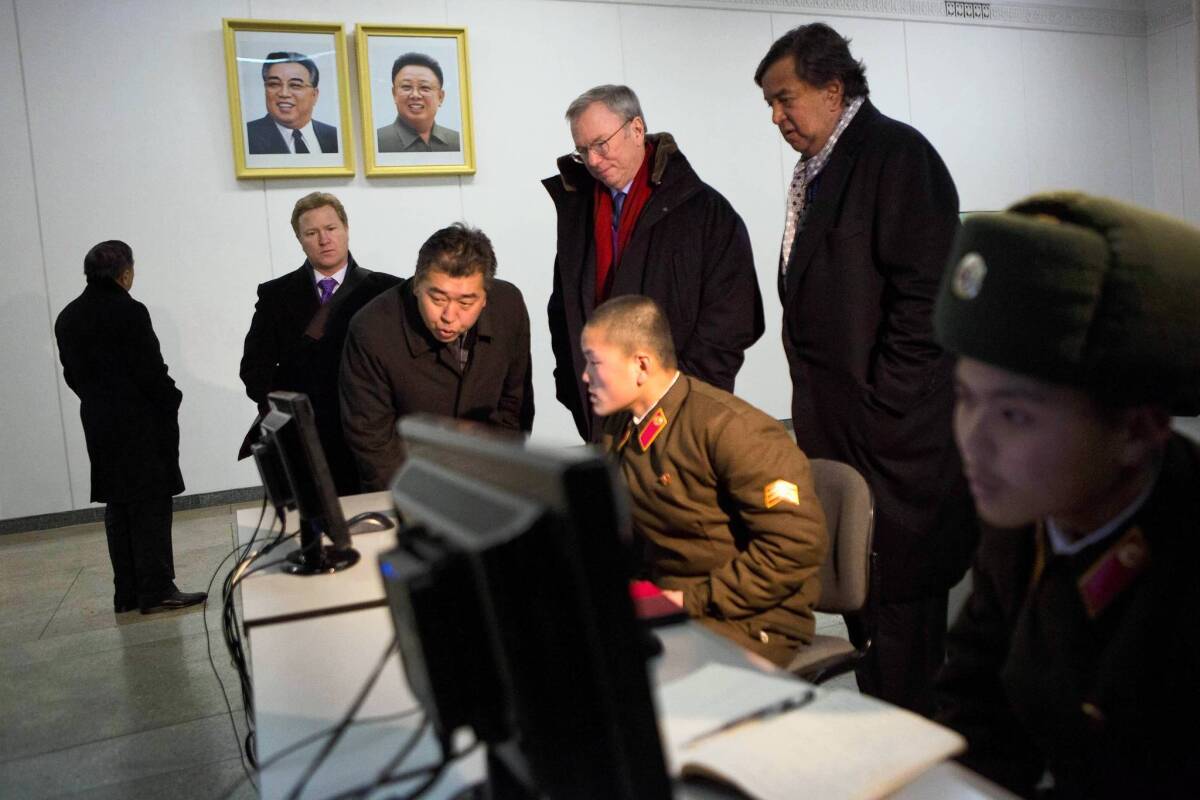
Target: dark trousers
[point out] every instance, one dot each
(139, 544)
(908, 649)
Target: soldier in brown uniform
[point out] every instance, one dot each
(1076, 654)
(723, 501)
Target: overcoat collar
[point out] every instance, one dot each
(832, 183)
(673, 182)
(575, 177)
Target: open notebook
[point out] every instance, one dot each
(776, 737)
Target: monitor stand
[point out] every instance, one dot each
(314, 559)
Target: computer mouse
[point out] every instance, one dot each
(370, 522)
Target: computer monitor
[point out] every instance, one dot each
(510, 593)
(295, 475)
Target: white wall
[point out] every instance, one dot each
(115, 124)
(1174, 126)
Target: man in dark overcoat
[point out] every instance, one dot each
(299, 326)
(871, 215)
(129, 407)
(634, 218)
(452, 340)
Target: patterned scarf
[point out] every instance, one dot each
(805, 173)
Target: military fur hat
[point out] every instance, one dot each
(1083, 291)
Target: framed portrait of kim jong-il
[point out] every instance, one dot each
(415, 90)
(289, 98)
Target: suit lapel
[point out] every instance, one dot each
(832, 184)
(354, 278)
(350, 281)
(273, 133)
(302, 294)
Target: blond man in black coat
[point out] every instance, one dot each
(299, 326)
(129, 407)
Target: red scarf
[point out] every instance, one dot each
(639, 193)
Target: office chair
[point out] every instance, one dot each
(848, 572)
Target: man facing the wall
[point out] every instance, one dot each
(130, 411)
(290, 85)
(634, 218)
(452, 340)
(871, 215)
(299, 326)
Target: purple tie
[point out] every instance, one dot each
(326, 285)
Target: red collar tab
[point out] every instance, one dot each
(653, 428)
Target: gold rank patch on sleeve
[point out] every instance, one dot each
(780, 490)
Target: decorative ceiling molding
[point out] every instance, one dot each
(1162, 15)
(1073, 19)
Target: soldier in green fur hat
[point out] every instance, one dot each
(1077, 324)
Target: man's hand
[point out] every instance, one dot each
(674, 596)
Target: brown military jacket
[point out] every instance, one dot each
(724, 507)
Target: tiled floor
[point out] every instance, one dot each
(96, 705)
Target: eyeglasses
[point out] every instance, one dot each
(600, 148)
(274, 85)
(419, 88)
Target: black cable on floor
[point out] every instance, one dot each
(246, 767)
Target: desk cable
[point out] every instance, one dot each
(431, 772)
(232, 634)
(316, 737)
(343, 725)
(242, 551)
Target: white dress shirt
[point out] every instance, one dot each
(310, 138)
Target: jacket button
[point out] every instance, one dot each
(1093, 711)
(763, 637)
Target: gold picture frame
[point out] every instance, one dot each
(429, 130)
(263, 110)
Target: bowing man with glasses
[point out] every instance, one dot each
(635, 218)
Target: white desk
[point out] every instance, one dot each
(306, 674)
(279, 597)
(308, 666)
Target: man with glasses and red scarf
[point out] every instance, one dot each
(634, 218)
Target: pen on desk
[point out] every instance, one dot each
(772, 710)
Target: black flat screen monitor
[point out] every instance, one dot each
(295, 475)
(510, 592)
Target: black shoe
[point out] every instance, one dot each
(172, 601)
(123, 606)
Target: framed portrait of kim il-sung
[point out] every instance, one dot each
(289, 98)
(416, 100)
